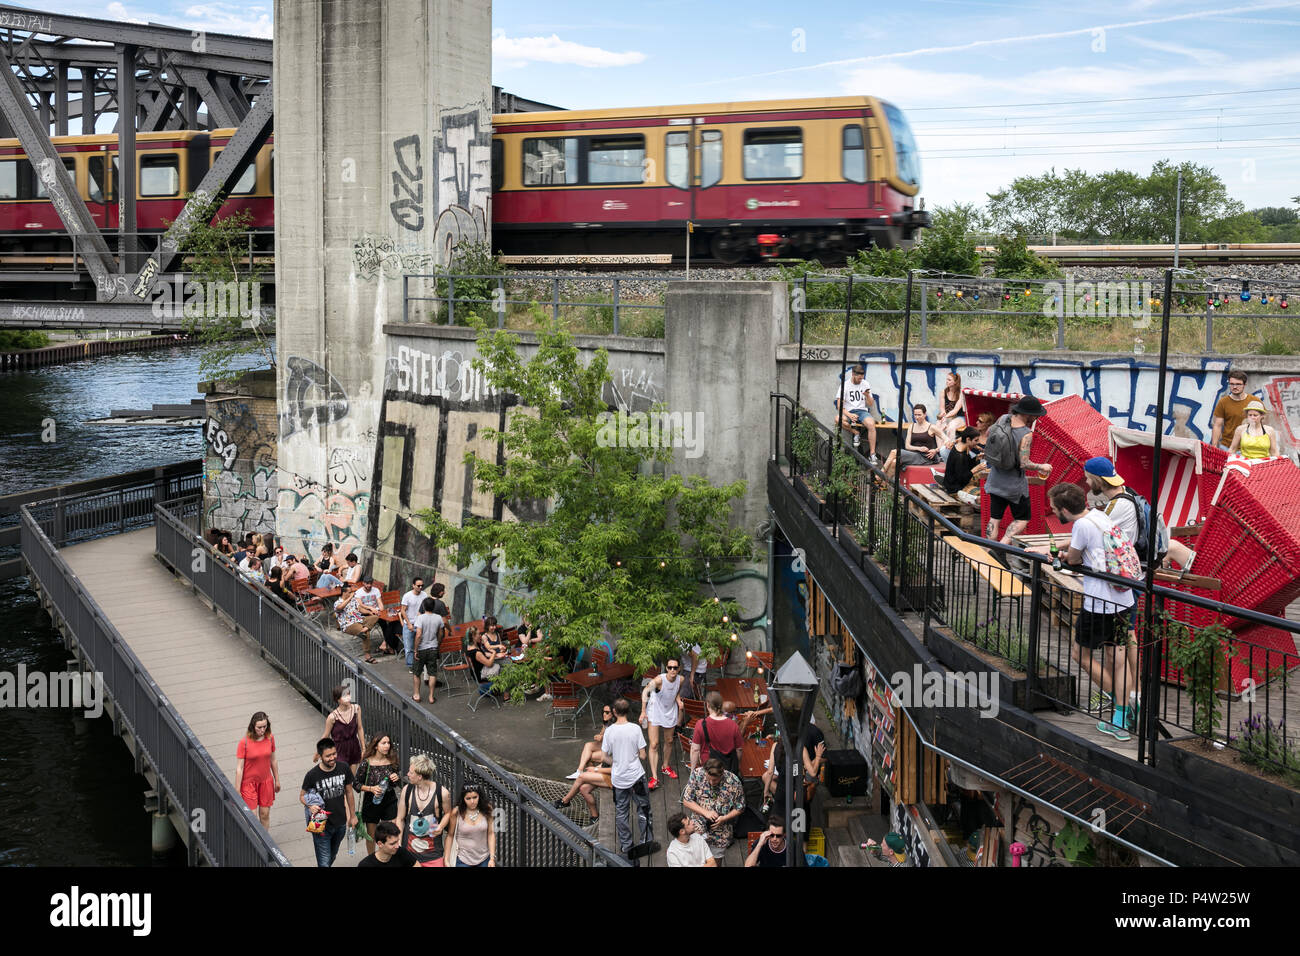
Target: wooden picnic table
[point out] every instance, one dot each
(752, 755)
(323, 592)
(937, 497)
(740, 691)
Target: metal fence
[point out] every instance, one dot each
(1000, 600)
(604, 299)
(223, 831)
(530, 831)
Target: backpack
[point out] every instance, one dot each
(1121, 556)
(731, 761)
(1144, 513)
(1000, 448)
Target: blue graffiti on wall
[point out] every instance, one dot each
(1122, 389)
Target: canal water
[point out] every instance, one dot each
(69, 795)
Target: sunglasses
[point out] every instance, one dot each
(672, 667)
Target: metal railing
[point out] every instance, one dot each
(223, 832)
(544, 292)
(530, 833)
(86, 509)
(1002, 601)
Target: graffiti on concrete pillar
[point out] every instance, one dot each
(464, 184)
(312, 397)
(239, 503)
(407, 206)
(381, 255)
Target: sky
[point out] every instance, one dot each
(993, 90)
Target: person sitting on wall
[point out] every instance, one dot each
(959, 470)
(953, 415)
(1253, 440)
(856, 410)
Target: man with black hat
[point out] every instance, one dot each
(1007, 455)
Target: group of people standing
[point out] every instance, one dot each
(409, 818)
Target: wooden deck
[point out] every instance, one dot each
(214, 678)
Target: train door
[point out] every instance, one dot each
(677, 174)
(710, 201)
(101, 198)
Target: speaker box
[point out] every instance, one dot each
(847, 774)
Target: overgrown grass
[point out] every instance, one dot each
(25, 339)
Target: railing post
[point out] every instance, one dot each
(925, 318)
(1209, 324)
(406, 298)
(1149, 675)
(121, 510)
(501, 300)
(616, 305)
(451, 299)
(1035, 613)
(871, 512)
(929, 575)
(1060, 329)
(555, 298)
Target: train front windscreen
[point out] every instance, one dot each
(905, 153)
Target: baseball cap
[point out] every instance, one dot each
(1102, 467)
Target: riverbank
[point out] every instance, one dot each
(20, 359)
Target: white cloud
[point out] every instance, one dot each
(518, 50)
(251, 20)
(118, 11)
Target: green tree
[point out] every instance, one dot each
(217, 250)
(947, 245)
(1031, 205)
(1276, 215)
(623, 548)
(1013, 260)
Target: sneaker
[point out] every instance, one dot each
(669, 771)
(874, 459)
(968, 498)
(546, 696)
(1115, 730)
(560, 804)
(857, 440)
(574, 776)
(653, 784)
(1132, 710)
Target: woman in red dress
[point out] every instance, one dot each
(257, 775)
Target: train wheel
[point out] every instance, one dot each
(728, 249)
(886, 238)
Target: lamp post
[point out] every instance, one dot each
(795, 688)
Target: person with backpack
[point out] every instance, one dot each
(1101, 629)
(1133, 513)
(716, 737)
(1006, 452)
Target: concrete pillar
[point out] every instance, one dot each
(383, 163)
(720, 359)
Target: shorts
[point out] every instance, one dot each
(1095, 630)
(908, 458)
(1019, 508)
(257, 792)
(862, 415)
(426, 660)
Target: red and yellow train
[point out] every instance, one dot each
(806, 177)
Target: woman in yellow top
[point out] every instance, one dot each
(1254, 439)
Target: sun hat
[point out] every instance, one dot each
(1104, 468)
(1256, 406)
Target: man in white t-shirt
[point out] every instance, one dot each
(625, 746)
(1103, 624)
(855, 407)
(687, 847)
(410, 610)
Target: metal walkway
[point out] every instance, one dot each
(213, 678)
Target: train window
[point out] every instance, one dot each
(551, 162)
(677, 160)
(498, 165)
(773, 153)
(247, 181)
(710, 158)
(616, 159)
(9, 179)
(70, 164)
(95, 178)
(160, 175)
(855, 155)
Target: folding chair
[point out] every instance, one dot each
(565, 705)
(481, 691)
(695, 710)
(451, 657)
(759, 659)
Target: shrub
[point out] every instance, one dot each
(25, 339)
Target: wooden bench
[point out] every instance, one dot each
(986, 566)
(937, 498)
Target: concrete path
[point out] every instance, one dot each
(214, 679)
